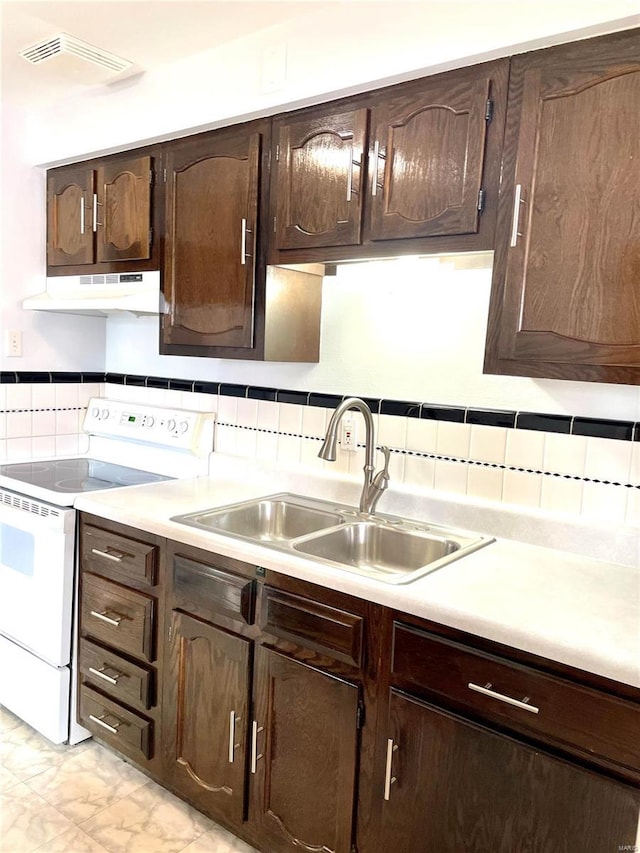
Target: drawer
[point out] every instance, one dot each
(125, 731)
(123, 680)
(333, 632)
(518, 696)
(119, 617)
(120, 557)
(213, 590)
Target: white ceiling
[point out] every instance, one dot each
(148, 33)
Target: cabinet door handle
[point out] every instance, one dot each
(100, 721)
(352, 163)
(82, 215)
(376, 157)
(116, 556)
(517, 201)
(517, 703)
(388, 778)
(232, 735)
(112, 679)
(255, 728)
(114, 620)
(243, 242)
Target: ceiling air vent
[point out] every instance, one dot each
(76, 58)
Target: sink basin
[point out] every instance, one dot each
(271, 519)
(384, 547)
(378, 550)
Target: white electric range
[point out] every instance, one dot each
(129, 445)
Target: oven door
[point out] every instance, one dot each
(36, 576)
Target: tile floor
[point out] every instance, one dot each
(84, 799)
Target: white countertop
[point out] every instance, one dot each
(564, 606)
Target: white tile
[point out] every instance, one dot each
(67, 445)
(268, 414)
(3, 425)
(289, 449)
(634, 475)
(521, 488)
(27, 821)
(632, 516)
(43, 446)
(562, 495)
(43, 396)
(200, 402)
(309, 455)
(604, 504)
(18, 449)
(565, 454)
(83, 443)
(227, 409)
(85, 392)
(267, 446)
(18, 424)
(43, 423)
(314, 421)
(392, 431)
(67, 394)
(247, 412)
(487, 443)
(453, 439)
(3, 396)
(225, 439)
(525, 449)
(422, 435)
(66, 422)
(19, 396)
(246, 443)
(608, 459)
(290, 418)
(396, 466)
(342, 462)
(484, 482)
(3, 449)
(419, 471)
(451, 477)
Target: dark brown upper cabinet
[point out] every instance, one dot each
(100, 214)
(408, 168)
(564, 301)
(213, 278)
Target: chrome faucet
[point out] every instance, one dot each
(374, 484)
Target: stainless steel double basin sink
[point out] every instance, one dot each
(384, 547)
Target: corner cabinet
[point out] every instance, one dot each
(213, 281)
(564, 301)
(100, 215)
(407, 168)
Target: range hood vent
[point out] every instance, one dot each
(100, 295)
(76, 59)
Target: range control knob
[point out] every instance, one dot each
(105, 414)
(171, 424)
(95, 412)
(183, 426)
(149, 422)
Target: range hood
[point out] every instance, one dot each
(100, 295)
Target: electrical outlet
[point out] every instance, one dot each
(349, 438)
(13, 343)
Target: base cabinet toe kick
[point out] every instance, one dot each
(301, 718)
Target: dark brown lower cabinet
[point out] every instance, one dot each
(304, 756)
(206, 715)
(452, 786)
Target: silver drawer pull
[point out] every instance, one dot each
(232, 735)
(255, 728)
(388, 778)
(100, 721)
(109, 554)
(112, 679)
(517, 703)
(114, 620)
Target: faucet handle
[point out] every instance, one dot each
(387, 455)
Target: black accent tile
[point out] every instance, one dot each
(114, 378)
(258, 393)
(135, 379)
(298, 398)
(230, 390)
(93, 377)
(8, 377)
(33, 377)
(491, 417)
(157, 382)
(206, 387)
(181, 384)
(66, 376)
(373, 403)
(328, 401)
(544, 423)
(622, 430)
(442, 413)
(400, 407)
(636, 432)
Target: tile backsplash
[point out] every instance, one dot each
(557, 463)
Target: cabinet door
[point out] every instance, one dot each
(211, 223)
(304, 756)
(565, 293)
(205, 716)
(69, 217)
(426, 158)
(318, 180)
(455, 787)
(123, 226)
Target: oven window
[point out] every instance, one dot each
(16, 549)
